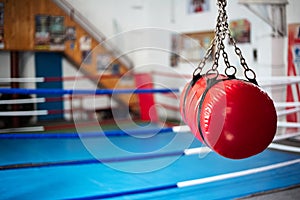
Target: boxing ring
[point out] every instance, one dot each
(156, 160)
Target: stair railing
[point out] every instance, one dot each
(93, 31)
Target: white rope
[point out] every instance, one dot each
(288, 124)
(286, 104)
(285, 136)
(22, 80)
(279, 81)
(22, 129)
(198, 150)
(236, 174)
(280, 78)
(184, 128)
(287, 112)
(24, 113)
(22, 101)
(284, 147)
(283, 83)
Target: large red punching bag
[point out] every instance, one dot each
(233, 117)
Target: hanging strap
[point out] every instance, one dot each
(189, 87)
(210, 82)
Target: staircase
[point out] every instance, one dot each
(100, 46)
(93, 32)
(20, 34)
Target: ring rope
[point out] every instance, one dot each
(22, 129)
(288, 124)
(40, 100)
(23, 101)
(285, 136)
(287, 112)
(108, 133)
(185, 152)
(286, 104)
(47, 99)
(284, 147)
(25, 113)
(22, 80)
(54, 127)
(56, 79)
(88, 161)
(43, 112)
(194, 182)
(265, 81)
(70, 91)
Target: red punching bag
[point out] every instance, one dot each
(233, 117)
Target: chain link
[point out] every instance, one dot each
(221, 31)
(202, 63)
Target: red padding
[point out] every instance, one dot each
(146, 101)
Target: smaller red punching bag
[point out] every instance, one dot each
(233, 117)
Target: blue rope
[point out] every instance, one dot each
(107, 133)
(89, 161)
(69, 91)
(130, 192)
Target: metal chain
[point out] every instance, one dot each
(221, 34)
(222, 29)
(249, 73)
(225, 28)
(216, 42)
(202, 63)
